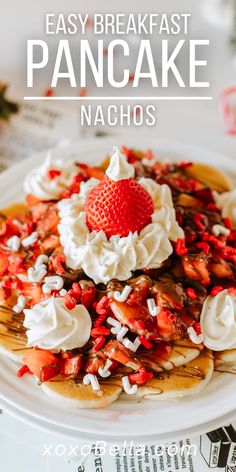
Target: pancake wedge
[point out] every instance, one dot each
(78, 395)
(12, 335)
(226, 357)
(182, 353)
(209, 176)
(181, 382)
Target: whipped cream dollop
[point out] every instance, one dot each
(51, 326)
(119, 168)
(227, 203)
(103, 259)
(38, 183)
(218, 321)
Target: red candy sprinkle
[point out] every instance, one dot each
(69, 300)
(98, 343)
(103, 306)
(191, 293)
(197, 327)
(100, 331)
(24, 369)
(145, 342)
(180, 248)
(204, 246)
(215, 290)
(199, 219)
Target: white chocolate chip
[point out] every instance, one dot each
(121, 297)
(122, 333)
(149, 162)
(219, 229)
(104, 371)
(14, 243)
(63, 292)
(132, 345)
(91, 379)
(116, 325)
(42, 259)
(194, 337)
(31, 239)
(152, 308)
(127, 387)
(54, 282)
(35, 275)
(20, 305)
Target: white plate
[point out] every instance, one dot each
(121, 418)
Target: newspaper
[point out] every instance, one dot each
(215, 450)
(37, 127)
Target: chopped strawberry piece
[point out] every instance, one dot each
(116, 351)
(16, 264)
(32, 291)
(24, 369)
(138, 324)
(129, 153)
(162, 349)
(50, 243)
(48, 372)
(220, 268)
(95, 172)
(31, 200)
(92, 365)
(75, 186)
(3, 263)
(38, 211)
(48, 224)
(43, 364)
(166, 323)
(53, 173)
(5, 293)
(196, 268)
(71, 366)
(141, 377)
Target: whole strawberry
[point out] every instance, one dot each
(118, 206)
